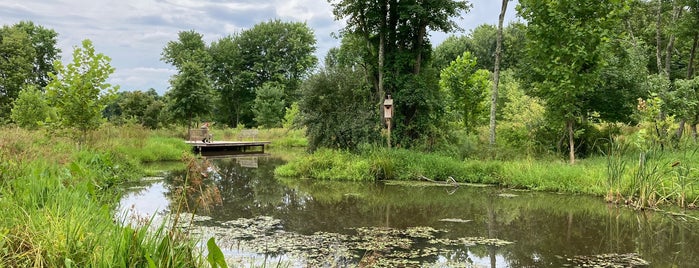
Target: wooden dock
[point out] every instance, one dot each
(242, 147)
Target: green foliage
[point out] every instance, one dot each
(79, 91)
(337, 111)
(391, 42)
(480, 42)
(191, 94)
(651, 114)
(30, 109)
(269, 105)
(467, 89)
(16, 61)
(622, 80)
(386, 164)
(189, 47)
(419, 107)
(684, 101)
(291, 116)
(522, 119)
(269, 52)
(566, 51)
(44, 43)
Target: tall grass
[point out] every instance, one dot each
(658, 178)
(58, 200)
(58, 217)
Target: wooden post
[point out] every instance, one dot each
(388, 121)
(388, 114)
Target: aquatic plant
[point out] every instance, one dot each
(616, 168)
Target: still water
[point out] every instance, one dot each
(310, 223)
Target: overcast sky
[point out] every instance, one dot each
(134, 32)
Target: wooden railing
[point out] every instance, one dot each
(248, 133)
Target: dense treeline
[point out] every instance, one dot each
(581, 71)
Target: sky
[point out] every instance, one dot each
(133, 32)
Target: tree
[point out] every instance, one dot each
(337, 108)
(450, 49)
(273, 51)
(79, 91)
(565, 49)
(27, 52)
(496, 74)
(482, 43)
(467, 88)
(134, 104)
(397, 53)
(189, 47)
(153, 115)
(44, 43)
(269, 105)
(30, 108)
(190, 93)
(16, 58)
(236, 99)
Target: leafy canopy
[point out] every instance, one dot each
(79, 91)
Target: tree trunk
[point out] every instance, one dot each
(680, 129)
(676, 11)
(694, 132)
(571, 140)
(496, 74)
(420, 41)
(658, 39)
(690, 65)
(382, 53)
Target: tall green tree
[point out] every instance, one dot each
(16, 59)
(482, 43)
(269, 105)
(236, 100)
(27, 52)
(337, 109)
(79, 91)
(565, 51)
(44, 42)
(467, 88)
(274, 51)
(189, 47)
(134, 104)
(190, 94)
(397, 56)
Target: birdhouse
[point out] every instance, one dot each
(388, 107)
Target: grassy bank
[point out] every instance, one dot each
(58, 201)
(654, 182)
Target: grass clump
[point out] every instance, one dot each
(327, 164)
(374, 163)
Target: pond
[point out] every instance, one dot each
(305, 223)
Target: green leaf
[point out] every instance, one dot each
(151, 263)
(215, 258)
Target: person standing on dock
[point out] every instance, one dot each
(205, 133)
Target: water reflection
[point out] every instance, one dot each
(547, 229)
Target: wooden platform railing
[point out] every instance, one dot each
(199, 135)
(248, 133)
